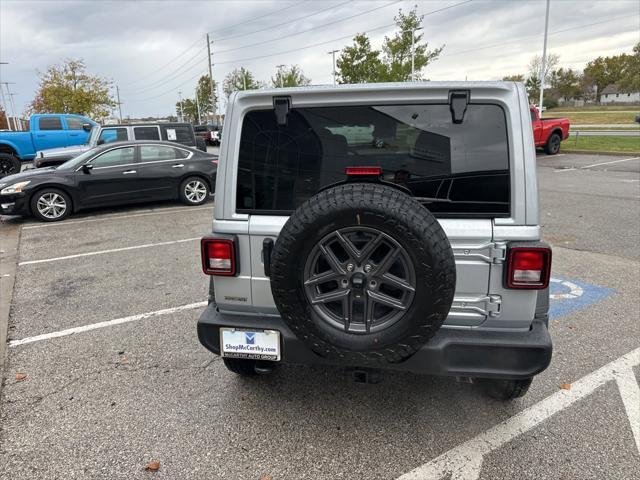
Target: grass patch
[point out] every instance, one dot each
(595, 114)
(604, 144)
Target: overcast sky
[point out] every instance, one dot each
(153, 49)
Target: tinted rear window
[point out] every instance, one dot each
(50, 123)
(178, 133)
(146, 133)
(454, 169)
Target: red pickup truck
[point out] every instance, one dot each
(548, 132)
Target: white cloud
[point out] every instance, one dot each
(152, 49)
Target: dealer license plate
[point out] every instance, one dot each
(252, 344)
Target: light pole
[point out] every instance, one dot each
(119, 103)
(544, 57)
(197, 106)
(181, 106)
(280, 67)
(333, 54)
(209, 65)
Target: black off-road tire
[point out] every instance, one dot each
(9, 164)
(394, 213)
(50, 191)
(504, 390)
(552, 146)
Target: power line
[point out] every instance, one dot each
(170, 61)
(516, 40)
(310, 29)
(180, 70)
(426, 14)
(244, 22)
(288, 22)
(171, 90)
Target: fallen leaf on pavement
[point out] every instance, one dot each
(21, 376)
(565, 386)
(153, 466)
(265, 476)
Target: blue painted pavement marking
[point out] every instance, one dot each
(568, 295)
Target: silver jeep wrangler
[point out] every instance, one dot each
(380, 226)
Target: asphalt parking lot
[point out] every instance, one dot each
(104, 372)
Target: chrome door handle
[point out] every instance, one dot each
(179, 165)
(127, 172)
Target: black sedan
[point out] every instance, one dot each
(112, 174)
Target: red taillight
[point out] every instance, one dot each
(528, 267)
(365, 171)
(218, 256)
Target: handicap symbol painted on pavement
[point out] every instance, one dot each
(567, 296)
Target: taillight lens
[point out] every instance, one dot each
(363, 171)
(528, 267)
(218, 256)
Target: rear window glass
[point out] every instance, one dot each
(109, 135)
(50, 123)
(146, 133)
(454, 169)
(178, 133)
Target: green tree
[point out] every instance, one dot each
(630, 78)
(514, 78)
(188, 110)
(359, 63)
(68, 88)
(203, 92)
(397, 49)
(532, 85)
(565, 83)
(239, 79)
(604, 71)
(289, 77)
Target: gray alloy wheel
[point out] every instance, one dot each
(195, 191)
(51, 205)
(9, 165)
(359, 279)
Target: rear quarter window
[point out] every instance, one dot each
(50, 123)
(453, 169)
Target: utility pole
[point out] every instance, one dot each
(181, 106)
(197, 106)
(11, 105)
(280, 67)
(333, 54)
(209, 63)
(4, 107)
(119, 103)
(544, 58)
(16, 123)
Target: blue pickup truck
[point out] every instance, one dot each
(45, 131)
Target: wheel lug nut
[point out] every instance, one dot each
(367, 268)
(345, 282)
(350, 267)
(372, 283)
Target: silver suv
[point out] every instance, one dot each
(381, 226)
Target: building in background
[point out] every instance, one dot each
(611, 94)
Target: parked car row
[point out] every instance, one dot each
(111, 174)
(182, 133)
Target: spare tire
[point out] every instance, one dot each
(364, 273)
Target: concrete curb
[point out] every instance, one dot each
(9, 238)
(596, 152)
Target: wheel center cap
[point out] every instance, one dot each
(358, 280)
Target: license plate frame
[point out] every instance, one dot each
(250, 344)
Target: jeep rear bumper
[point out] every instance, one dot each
(456, 352)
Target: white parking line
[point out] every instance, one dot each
(595, 165)
(464, 462)
(101, 252)
(108, 323)
(116, 217)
